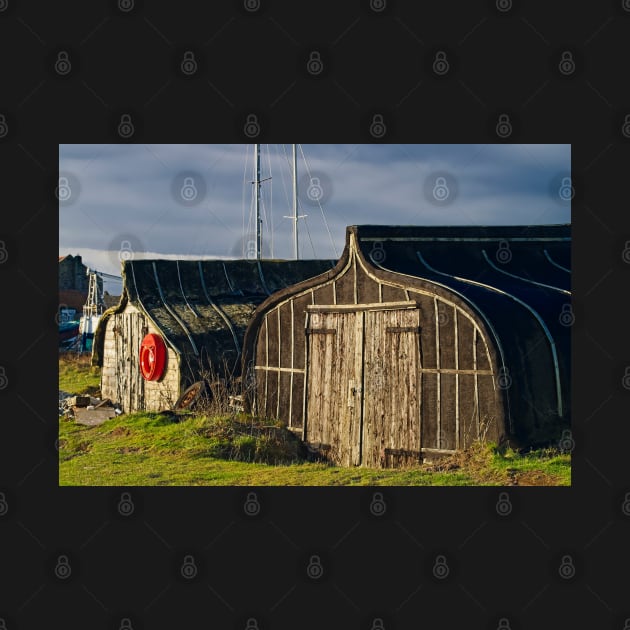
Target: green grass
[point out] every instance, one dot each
(76, 376)
(143, 449)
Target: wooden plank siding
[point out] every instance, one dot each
(121, 379)
(376, 381)
(333, 385)
(391, 389)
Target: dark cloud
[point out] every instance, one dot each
(133, 189)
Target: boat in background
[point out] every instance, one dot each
(68, 331)
(92, 311)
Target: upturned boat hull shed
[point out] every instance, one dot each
(420, 341)
(179, 321)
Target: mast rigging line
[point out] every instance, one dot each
(308, 170)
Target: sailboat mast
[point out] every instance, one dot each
(257, 203)
(296, 253)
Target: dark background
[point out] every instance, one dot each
(124, 571)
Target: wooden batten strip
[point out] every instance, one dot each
(271, 368)
(476, 407)
(305, 388)
(266, 361)
(352, 308)
(453, 371)
(279, 364)
(290, 422)
(354, 273)
(437, 365)
(456, 381)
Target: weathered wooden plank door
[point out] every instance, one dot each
(391, 398)
(129, 384)
(333, 407)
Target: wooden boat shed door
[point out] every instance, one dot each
(362, 400)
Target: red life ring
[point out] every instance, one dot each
(152, 357)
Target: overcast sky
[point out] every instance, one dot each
(196, 201)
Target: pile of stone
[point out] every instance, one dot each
(87, 410)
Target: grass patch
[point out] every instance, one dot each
(77, 376)
(160, 449)
(188, 449)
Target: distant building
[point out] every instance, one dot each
(73, 283)
(72, 274)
